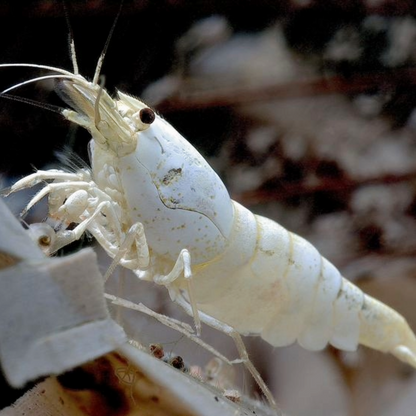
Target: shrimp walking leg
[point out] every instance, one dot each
(172, 323)
(183, 265)
(177, 297)
(134, 235)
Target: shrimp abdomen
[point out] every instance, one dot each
(318, 306)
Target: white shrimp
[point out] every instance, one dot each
(97, 201)
(159, 209)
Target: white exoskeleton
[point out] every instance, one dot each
(157, 207)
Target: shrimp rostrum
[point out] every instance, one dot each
(157, 207)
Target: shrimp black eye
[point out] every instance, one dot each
(147, 115)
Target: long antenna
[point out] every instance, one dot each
(97, 116)
(45, 106)
(106, 45)
(30, 81)
(71, 40)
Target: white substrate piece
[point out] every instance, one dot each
(53, 313)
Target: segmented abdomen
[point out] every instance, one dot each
(280, 288)
(322, 306)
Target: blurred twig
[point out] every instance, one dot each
(291, 189)
(188, 97)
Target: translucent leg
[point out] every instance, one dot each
(183, 265)
(44, 175)
(63, 238)
(179, 326)
(177, 297)
(135, 234)
(51, 187)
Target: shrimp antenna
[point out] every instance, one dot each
(106, 45)
(50, 107)
(71, 39)
(97, 117)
